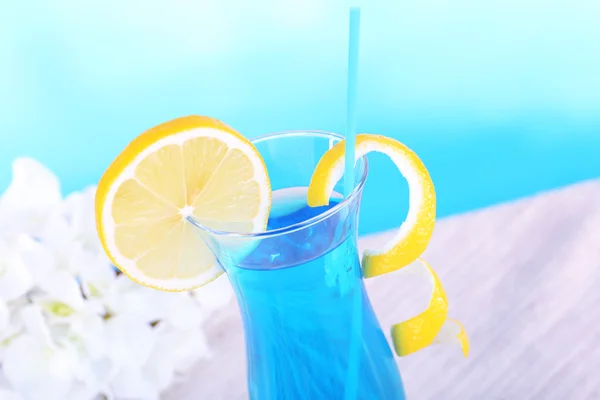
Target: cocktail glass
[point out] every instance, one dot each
(309, 328)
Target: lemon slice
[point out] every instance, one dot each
(406, 246)
(191, 166)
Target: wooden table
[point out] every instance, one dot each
(524, 278)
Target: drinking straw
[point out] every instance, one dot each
(351, 389)
(351, 99)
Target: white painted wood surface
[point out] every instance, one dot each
(524, 278)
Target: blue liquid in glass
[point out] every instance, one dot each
(295, 294)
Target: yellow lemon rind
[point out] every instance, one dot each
(432, 325)
(416, 231)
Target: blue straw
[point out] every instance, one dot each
(351, 100)
(351, 389)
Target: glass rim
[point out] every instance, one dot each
(303, 224)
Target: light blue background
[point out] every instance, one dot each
(500, 99)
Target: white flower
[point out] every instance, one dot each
(71, 328)
(214, 296)
(97, 276)
(34, 365)
(33, 192)
(78, 207)
(174, 353)
(38, 259)
(38, 371)
(4, 316)
(131, 384)
(6, 392)
(186, 347)
(60, 294)
(15, 278)
(56, 235)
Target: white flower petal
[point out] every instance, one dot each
(79, 207)
(33, 192)
(37, 258)
(130, 384)
(94, 375)
(106, 394)
(64, 363)
(187, 347)
(15, 279)
(56, 233)
(73, 204)
(160, 367)
(123, 283)
(63, 287)
(4, 317)
(91, 331)
(131, 340)
(183, 313)
(11, 330)
(15, 222)
(102, 370)
(37, 371)
(96, 273)
(6, 394)
(24, 360)
(94, 306)
(34, 323)
(33, 186)
(6, 391)
(82, 391)
(46, 389)
(142, 303)
(214, 296)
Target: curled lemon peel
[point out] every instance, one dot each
(407, 245)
